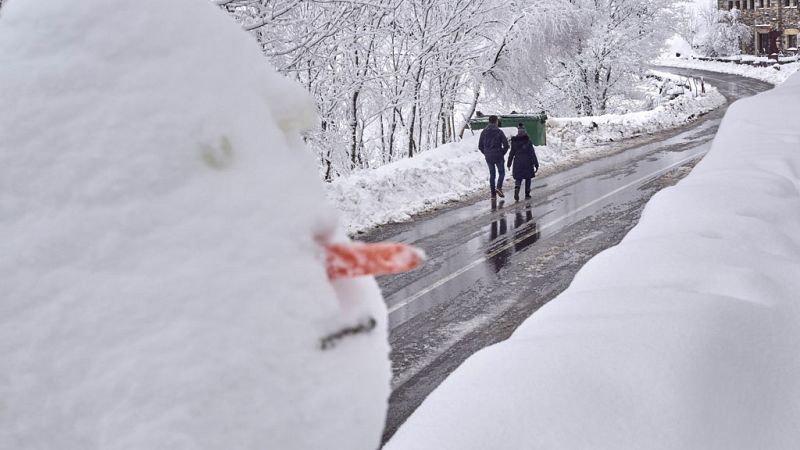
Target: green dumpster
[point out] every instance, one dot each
(535, 124)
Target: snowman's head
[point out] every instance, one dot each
(164, 240)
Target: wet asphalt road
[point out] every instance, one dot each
(492, 264)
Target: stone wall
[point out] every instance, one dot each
(764, 19)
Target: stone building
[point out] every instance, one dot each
(775, 23)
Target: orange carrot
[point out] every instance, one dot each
(356, 259)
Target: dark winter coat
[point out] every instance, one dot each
(493, 143)
(523, 156)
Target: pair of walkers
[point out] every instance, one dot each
(494, 145)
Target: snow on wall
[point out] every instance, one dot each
(685, 335)
(393, 192)
(163, 283)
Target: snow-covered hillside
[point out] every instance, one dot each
(163, 278)
(685, 335)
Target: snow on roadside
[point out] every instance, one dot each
(766, 74)
(571, 133)
(393, 192)
(396, 191)
(685, 335)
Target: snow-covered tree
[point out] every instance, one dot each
(727, 35)
(387, 75)
(392, 78)
(582, 53)
(689, 24)
(618, 38)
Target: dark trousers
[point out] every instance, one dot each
(499, 167)
(518, 183)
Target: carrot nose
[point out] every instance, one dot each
(357, 259)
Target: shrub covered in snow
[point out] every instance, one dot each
(727, 35)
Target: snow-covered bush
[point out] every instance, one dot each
(727, 35)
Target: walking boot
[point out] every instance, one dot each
(516, 193)
(494, 194)
(527, 195)
(499, 192)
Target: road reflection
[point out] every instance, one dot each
(502, 244)
(526, 229)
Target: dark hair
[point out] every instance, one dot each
(493, 119)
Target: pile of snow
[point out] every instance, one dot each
(776, 74)
(683, 336)
(567, 134)
(396, 191)
(163, 283)
(678, 47)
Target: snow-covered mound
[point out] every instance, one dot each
(395, 191)
(567, 133)
(684, 336)
(163, 283)
(677, 47)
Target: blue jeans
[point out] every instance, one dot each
(499, 166)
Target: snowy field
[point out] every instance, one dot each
(685, 335)
(396, 191)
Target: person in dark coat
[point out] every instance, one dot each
(523, 157)
(494, 145)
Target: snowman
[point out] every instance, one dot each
(171, 277)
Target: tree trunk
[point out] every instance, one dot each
(487, 72)
(412, 146)
(383, 139)
(354, 130)
(452, 124)
(392, 130)
(604, 95)
(419, 128)
(362, 162)
(473, 106)
(327, 158)
(443, 120)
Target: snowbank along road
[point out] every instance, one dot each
(492, 264)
